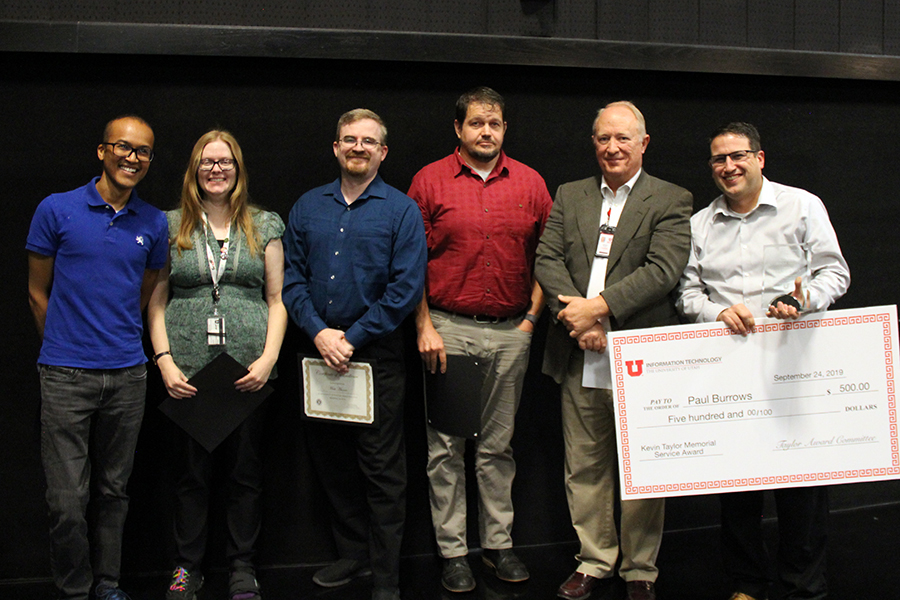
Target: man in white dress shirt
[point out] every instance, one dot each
(750, 247)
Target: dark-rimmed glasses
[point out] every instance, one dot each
(736, 157)
(123, 150)
(207, 164)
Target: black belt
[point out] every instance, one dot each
(482, 319)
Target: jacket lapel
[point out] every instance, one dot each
(588, 219)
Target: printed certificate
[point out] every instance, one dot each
(795, 403)
(329, 395)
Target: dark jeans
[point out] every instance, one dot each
(802, 537)
(90, 419)
(240, 452)
(363, 470)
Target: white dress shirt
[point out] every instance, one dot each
(733, 255)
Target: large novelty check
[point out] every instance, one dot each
(796, 403)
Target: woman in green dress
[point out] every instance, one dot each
(225, 273)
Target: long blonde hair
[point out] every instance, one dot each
(239, 200)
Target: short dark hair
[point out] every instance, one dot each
(109, 124)
(741, 129)
(481, 95)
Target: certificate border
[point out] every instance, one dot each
(799, 480)
(312, 413)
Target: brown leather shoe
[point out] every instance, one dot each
(578, 586)
(640, 590)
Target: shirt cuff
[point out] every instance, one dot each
(710, 312)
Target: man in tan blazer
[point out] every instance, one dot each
(612, 250)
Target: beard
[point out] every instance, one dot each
(355, 167)
(483, 155)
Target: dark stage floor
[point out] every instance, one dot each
(862, 563)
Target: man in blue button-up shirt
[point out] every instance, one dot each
(355, 259)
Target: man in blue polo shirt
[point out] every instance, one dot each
(93, 257)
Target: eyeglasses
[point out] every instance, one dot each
(367, 143)
(207, 164)
(123, 150)
(740, 156)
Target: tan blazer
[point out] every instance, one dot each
(648, 254)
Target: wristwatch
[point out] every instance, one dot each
(156, 357)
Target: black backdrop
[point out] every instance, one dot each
(834, 137)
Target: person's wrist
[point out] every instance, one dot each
(157, 357)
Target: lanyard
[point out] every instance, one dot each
(215, 270)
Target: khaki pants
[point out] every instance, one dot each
(503, 350)
(589, 431)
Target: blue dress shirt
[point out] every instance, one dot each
(359, 267)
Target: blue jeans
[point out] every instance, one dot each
(90, 419)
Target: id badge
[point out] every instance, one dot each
(215, 331)
(606, 239)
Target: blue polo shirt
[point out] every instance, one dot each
(94, 314)
(359, 268)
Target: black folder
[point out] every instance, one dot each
(217, 408)
(453, 399)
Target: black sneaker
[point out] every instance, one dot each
(242, 585)
(105, 591)
(184, 584)
(341, 572)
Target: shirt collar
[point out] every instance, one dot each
(499, 169)
(766, 198)
(605, 190)
(377, 188)
(95, 199)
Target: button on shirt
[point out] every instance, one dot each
(752, 258)
(357, 267)
(482, 234)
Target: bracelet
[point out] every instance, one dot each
(533, 319)
(156, 357)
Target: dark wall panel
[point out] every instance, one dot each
(847, 26)
(446, 17)
(817, 25)
(625, 20)
(283, 111)
(770, 24)
(862, 26)
(723, 22)
(674, 21)
(576, 19)
(536, 18)
(892, 27)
